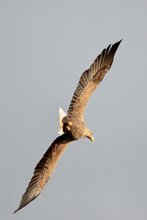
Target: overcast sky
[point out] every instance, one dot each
(44, 48)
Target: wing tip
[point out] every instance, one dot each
(116, 45)
(118, 42)
(21, 206)
(16, 210)
(111, 50)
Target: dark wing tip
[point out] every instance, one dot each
(110, 51)
(118, 43)
(21, 206)
(115, 46)
(15, 210)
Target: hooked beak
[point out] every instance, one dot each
(91, 137)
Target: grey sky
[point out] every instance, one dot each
(44, 48)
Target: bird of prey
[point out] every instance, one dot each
(72, 125)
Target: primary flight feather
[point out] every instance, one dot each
(72, 124)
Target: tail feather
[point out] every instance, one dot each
(62, 114)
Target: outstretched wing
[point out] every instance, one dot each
(44, 170)
(90, 79)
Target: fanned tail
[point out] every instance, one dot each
(62, 114)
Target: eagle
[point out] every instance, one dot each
(72, 125)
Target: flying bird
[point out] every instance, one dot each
(72, 125)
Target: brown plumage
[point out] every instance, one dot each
(73, 124)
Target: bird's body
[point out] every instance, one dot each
(75, 127)
(72, 125)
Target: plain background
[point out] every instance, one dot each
(44, 48)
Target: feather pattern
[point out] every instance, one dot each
(44, 169)
(90, 79)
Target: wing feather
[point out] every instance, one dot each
(90, 79)
(44, 170)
